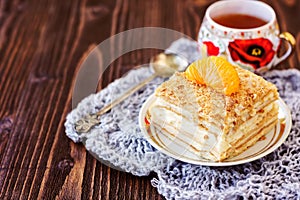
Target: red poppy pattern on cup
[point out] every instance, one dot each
(212, 50)
(255, 52)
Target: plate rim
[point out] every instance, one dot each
(286, 132)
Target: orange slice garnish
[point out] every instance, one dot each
(215, 72)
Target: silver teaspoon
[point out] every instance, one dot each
(164, 65)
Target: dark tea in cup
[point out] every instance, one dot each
(240, 21)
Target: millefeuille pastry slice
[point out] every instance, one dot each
(216, 113)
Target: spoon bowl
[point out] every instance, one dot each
(165, 65)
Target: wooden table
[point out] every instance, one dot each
(42, 44)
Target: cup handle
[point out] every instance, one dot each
(286, 36)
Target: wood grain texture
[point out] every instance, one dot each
(42, 44)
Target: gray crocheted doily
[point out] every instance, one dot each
(118, 141)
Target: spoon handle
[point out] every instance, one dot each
(86, 123)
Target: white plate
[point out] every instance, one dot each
(272, 140)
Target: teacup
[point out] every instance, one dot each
(246, 32)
